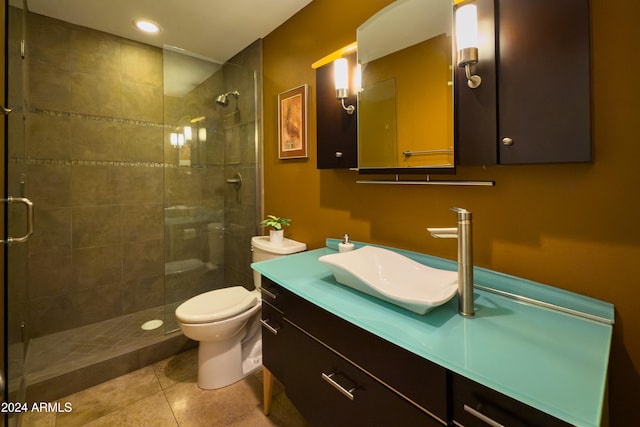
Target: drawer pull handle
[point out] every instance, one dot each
(265, 323)
(482, 416)
(334, 383)
(268, 293)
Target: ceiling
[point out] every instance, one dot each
(215, 29)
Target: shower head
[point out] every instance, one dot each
(223, 99)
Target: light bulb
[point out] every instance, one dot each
(341, 76)
(467, 27)
(147, 26)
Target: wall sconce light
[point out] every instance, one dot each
(341, 78)
(467, 41)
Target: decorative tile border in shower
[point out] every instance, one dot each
(123, 163)
(126, 163)
(120, 163)
(70, 115)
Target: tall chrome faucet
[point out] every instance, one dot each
(463, 233)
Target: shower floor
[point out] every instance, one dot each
(72, 360)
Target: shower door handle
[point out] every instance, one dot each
(29, 206)
(236, 180)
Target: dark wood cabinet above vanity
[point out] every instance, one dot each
(533, 105)
(336, 130)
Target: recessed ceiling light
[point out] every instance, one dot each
(146, 26)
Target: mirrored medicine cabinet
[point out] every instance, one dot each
(413, 101)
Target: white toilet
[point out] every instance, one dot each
(226, 322)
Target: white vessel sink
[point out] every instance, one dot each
(393, 278)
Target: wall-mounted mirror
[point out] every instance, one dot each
(405, 106)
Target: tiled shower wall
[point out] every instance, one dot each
(97, 169)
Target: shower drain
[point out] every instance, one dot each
(151, 324)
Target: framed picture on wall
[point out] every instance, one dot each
(292, 123)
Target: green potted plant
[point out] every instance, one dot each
(276, 233)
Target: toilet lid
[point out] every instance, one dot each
(216, 305)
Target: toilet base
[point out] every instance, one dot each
(218, 364)
(222, 363)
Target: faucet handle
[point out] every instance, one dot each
(463, 214)
(459, 210)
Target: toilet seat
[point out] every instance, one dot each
(216, 305)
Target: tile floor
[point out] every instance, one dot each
(166, 394)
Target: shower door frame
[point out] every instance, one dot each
(3, 130)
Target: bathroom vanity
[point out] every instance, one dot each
(346, 358)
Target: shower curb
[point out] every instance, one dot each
(80, 379)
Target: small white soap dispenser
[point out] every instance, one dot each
(346, 244)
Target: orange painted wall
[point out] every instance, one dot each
(573, 226)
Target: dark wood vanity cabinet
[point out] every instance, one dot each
(340, 375)
(533, 105)
(474, 405)
(337, 136)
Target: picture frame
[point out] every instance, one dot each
(293, 123)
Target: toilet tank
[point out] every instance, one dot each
(262, 249)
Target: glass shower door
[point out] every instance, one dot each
(210, 176)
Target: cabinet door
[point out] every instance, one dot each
(336, 130)
(475, 122)
(543, 81)
(534, 103)
(330, 391)
(475, 406)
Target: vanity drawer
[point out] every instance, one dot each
(420, 380)
(330, 391)
(274, 340)
(472, 402)
(275, 294)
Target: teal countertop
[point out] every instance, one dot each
(553, 361)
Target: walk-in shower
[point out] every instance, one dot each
(128, 225)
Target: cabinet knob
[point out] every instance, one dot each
(338, 154)
(507, 141)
